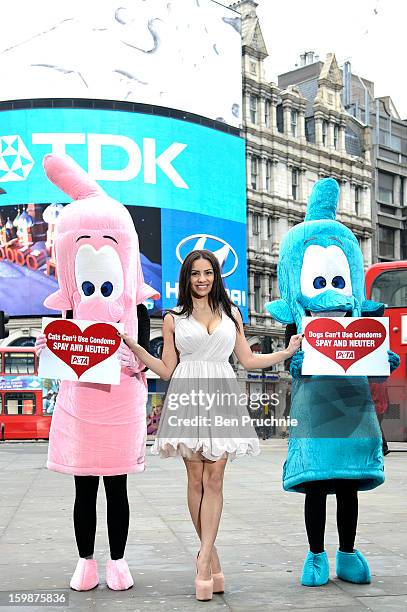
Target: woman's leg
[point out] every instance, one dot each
(347, 513)
(211, 510)
(315, 514)
(118, 514)
(195, 469)
(84, 514)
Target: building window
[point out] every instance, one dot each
(253, 109)
(268, 176)
(280, 118)
(257, 294)
(396, 143)
(294, 183)
(254, 171)
(253, 68)
(310, 129)
(256, 224)
(267, 107)
(336, 136)
(386, 242)
(269, 289)
(404, 244)
(357, 200)
(386, 187)
(269, 227)
(294, 121)
(324, 133)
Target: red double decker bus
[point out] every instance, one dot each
(25, 400)
(387, 283)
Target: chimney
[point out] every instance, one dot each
(308, 57)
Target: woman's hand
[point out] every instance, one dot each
(131, 343)
(295, 344)
(40, 344)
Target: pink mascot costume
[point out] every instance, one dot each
(98, 430)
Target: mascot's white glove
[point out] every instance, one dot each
(128, 359)
(40, 344)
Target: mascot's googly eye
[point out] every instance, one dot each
(319, 282)
(99, 273)
(88, 288)
(325, 268)
(338, 282)
(106, 289)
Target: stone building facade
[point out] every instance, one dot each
(388, 153)
(293, 137)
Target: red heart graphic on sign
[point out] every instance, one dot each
(81, 355)
(345, 345)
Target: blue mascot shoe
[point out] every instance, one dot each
(316, 569)
(352, 567)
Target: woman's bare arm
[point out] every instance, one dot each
(165, 366)
(252, 361)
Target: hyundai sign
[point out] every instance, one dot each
(183, 183)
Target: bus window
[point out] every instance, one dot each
(19, 403)
(19, 363)
(390, 288)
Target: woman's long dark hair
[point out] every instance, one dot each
(218, 298)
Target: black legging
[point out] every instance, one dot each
(84, 513)
(346, 512)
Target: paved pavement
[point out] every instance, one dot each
(261, 542)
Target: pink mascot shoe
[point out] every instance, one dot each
(85, 576)
(118, 577)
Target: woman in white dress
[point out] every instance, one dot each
(200, 334)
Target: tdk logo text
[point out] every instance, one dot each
(224, 252)
(16, 162)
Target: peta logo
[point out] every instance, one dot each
(15, 160)
(224, 252)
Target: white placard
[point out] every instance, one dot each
(79, 344)
(345, 346)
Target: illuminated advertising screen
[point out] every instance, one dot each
(181, 54)
(183, 183)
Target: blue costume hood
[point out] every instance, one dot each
(321, 265)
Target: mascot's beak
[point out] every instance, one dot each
(328, 304)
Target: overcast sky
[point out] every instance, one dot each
(370, 33)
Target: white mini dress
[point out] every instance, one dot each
(205, 421)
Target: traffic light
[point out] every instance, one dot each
(4, 318)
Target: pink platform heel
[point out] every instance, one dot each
(218, 583)
(203, 588)
(118, 577)
(85, 576)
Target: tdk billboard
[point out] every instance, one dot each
(183, 183)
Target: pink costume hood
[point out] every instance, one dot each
(97, 251)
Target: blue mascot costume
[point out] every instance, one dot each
(337, 444)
